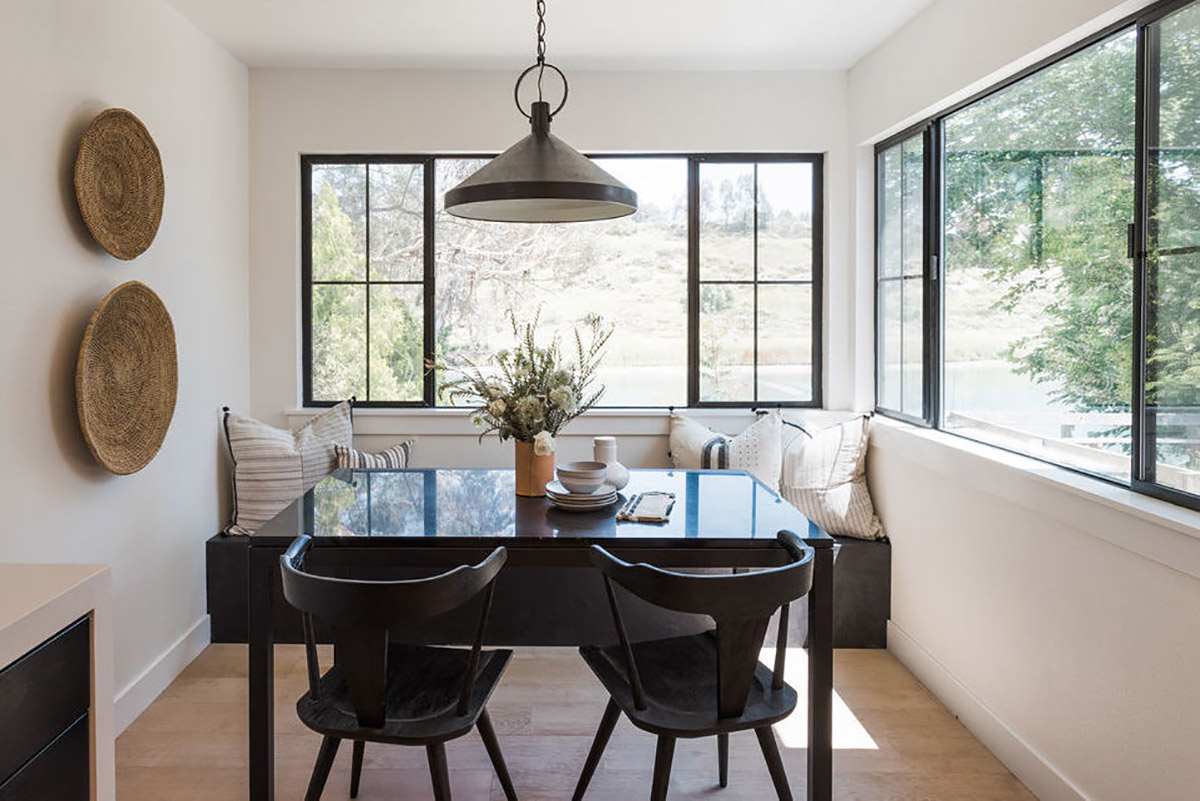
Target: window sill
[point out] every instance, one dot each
(457, 422)
(1087, 504)
(648, 422)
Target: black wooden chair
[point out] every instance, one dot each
(704, 684)
(384, 692)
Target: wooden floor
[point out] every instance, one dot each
(892, 741)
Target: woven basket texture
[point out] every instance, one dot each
(126, 378)
(119, 183)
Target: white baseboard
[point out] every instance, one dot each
(133, 699)
(1031, 767)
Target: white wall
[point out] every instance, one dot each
(322, 111)
(957, 47)
(62, 63)
(1054, 614)
(1046, 617)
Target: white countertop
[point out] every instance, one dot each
(25, 589)
(38, 601)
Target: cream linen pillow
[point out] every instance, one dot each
(825, 477)
(274, 466)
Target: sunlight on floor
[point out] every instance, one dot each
(848, 731)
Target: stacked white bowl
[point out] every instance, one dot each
(582, 478)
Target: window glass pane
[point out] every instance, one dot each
(726, 342)
(1173, 269)
(397, 222)
(890, 198)
(1038, 288)
(339, 347)
(726, 222)
(913, 183)
(338, 222)
(891, 366)
(784, 342)
(397, 337)
(630, 272)
(785, 242)
(912, 342)
(901, 256)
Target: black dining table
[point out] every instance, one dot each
(373, 523)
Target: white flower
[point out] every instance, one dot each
(496, 408)
(529, 412)
(543, 444)
(563, 398)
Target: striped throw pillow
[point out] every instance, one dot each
(825, 477)
(393, 458)
(274, 466)
(756, 450)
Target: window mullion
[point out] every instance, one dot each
(429, 243)
(367, 266)
(693, 281)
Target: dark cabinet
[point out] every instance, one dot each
(45, 697)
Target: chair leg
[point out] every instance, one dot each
(723, 758)
(662, 768)
(320, 774)
(439, 771)
(766, 740)
(356, 767)
(612, 713)
(488, 734)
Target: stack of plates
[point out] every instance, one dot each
(561, 497)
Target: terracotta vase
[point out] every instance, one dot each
(533, 472)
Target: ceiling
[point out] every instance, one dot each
(581, 34)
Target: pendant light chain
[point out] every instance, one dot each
(540, 179)
(541, 44)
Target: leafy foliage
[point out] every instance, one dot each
(531, 389)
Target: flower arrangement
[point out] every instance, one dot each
(530, 392)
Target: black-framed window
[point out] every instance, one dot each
(1062, 252)
(713, 286)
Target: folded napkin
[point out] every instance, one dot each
(648, 507)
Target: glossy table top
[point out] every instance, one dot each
(481, 503)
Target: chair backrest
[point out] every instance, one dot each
(360, 613)
(741, 604)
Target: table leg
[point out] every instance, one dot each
(264, 566)
(820, 675)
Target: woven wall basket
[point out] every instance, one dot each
(119, 183)
(126, 378)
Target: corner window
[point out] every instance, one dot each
(1062, 260)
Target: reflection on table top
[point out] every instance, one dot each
(444, 502)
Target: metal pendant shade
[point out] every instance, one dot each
(541, 178)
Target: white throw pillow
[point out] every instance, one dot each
(273, 466)
(756, 450)
(825, 477)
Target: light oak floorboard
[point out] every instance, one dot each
(190, 744)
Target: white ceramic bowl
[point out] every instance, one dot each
(582, 477)
(583, 468)
(581, 486)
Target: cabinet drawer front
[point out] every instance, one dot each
(43, 693)
(62, 771)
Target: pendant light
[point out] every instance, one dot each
(541, 178)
